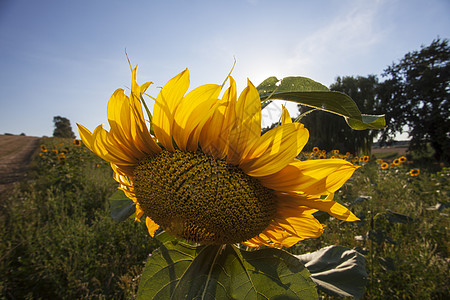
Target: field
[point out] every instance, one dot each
(58, 240)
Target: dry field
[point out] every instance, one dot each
(15, 155)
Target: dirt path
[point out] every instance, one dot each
(15, 155)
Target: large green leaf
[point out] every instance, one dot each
(121, 206)
(313, 94)
(337, 270)
(182, 270)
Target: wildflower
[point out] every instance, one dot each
(402, 159)
(414, 172)
(396, 161)
(365, 158)
(207, 175)
(322, 156)
(77, 142)
(384, 165)
(43, 148)
(355, 159)
(316, 149)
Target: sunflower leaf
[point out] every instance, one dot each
(337, 270)
(179, 270)
(121, 206)
(308, 92)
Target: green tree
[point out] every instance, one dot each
(416, 96)
(62, 128)
(329, 131)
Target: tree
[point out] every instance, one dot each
(331, 131)
(62, 128)
(416, 96)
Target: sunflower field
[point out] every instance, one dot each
(59, 241)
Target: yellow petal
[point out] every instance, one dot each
(86, 136)
(301, 224)
(108, 149)
(328, 205)
(285, 117)
(313, 177)
(139, 213)
(151, 226)
(214, 136)
(192, 113)
(275, 149)
(247, 127)
(166, 104)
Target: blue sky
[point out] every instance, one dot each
(66, 58)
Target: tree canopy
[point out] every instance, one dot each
(62, 128)
(415, 95)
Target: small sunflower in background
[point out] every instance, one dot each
(402, 159)
(414, 172)
(77, 142)
(206, 174)
(384, 166)
(315, 149)
(396, 162)
(43, 148)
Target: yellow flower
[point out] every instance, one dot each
(414, 172)
(396, 162)
(316, 149)
(402, 159)
(43, 148)
(207, 175)
(384, 165)
(365, 158)
(77, 142)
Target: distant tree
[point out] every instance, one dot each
(416, 96)
(328, 131)
(62, 128)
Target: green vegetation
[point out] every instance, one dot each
(403, 230)
(58, 241)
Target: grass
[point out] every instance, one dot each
(58, 241)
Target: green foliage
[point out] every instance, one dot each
(62, 128)
(57, 239)
(183, 270)
(312, 94)
(416, 95)
(403, 230)
(329, 132)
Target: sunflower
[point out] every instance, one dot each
(384, 165)
(365, 158)
(414, 172)
(402, 159)
(204, 173)
(43, 148)
(396, 162)
(77, 142)
(315, 149)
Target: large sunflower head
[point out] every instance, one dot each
(204, 172)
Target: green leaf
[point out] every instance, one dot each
(337, 270)
(182, 270)
(121, 206)
(307, 92)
